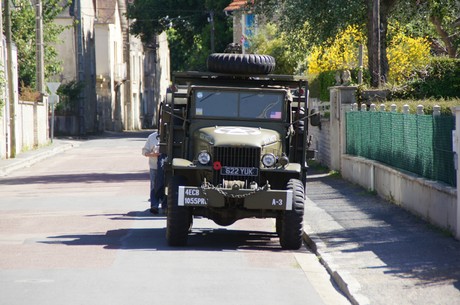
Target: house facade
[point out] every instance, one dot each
(120, 75)
(123, 81)
(244, 22)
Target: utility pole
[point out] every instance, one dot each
(80, 66)
(12, 105)
(40, 64)
(40, 86)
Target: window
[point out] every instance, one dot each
(261, 105)
(249, 105)
(216, 104)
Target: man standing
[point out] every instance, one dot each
(151, 150)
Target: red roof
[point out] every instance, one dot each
(237, 5)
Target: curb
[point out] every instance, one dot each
(348, 285)
(26, 160)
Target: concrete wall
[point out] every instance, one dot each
(66, 125)
(3, 111)
(30, 118)
(32, 125)
(456, 148)
(321, 142)
(66, 50)
(433, 201)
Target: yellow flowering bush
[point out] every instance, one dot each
(405, 55)
(339, 53)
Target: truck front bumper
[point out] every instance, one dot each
(242, 198)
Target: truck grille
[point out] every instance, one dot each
(236, 157)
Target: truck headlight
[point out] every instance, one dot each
(283, 161)
(268, 160)
(204, 157)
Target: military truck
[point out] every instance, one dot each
(237, 146)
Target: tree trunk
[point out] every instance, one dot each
(377, 26)
(373, 42)
(451, 49)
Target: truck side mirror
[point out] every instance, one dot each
(315, 118)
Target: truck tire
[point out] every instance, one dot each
(179, 218)
(292, 221)
(241, 63)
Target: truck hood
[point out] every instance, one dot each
(238, 136)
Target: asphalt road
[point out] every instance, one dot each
(74, 229)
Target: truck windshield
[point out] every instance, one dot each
(250, 105)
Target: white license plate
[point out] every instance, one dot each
(239, 171)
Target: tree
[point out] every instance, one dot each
(437, 19)
(290, 57)
(326, 18)
(188, 25)
(23, 34)
(406, 54)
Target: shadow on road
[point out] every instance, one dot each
(407, 246)
(200, 239)
(78, 178)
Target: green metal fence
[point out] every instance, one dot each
(421, 144)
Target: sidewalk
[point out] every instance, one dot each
(377, 252)
(30, 157)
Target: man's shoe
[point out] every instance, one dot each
(154, 211)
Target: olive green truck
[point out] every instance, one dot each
(237, 145)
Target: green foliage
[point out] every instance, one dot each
(440, 80)
(446, 105)
(432, 18)
(394, 97)
(23, 32)
(188, 26)
(319, 85)
(69, 97)
(271, 41)
(325, 18)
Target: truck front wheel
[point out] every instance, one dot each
(179, 217)
(291, 222)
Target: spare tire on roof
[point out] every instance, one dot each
(241, 63)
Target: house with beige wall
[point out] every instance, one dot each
(120, 74)
(124, 81)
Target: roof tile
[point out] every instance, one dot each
(236, 5)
